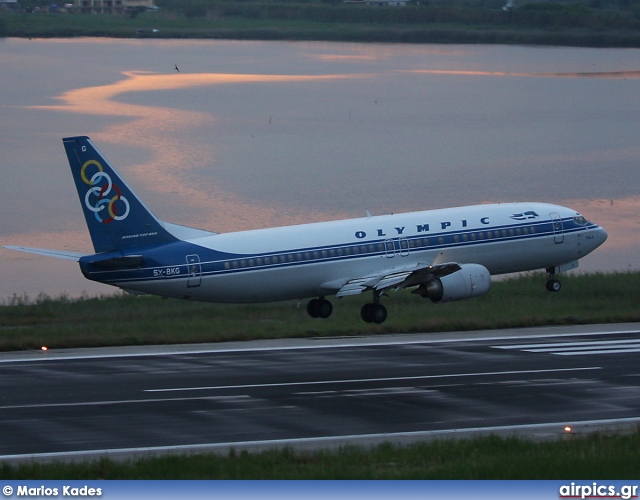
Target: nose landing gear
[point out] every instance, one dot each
(553, 284)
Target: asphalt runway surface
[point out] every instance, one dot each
(121, 402)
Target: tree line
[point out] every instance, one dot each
(588, 14)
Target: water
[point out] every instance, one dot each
(254, 134)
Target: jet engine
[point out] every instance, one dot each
(470, 280)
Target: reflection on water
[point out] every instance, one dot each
(587, 74)
(153, 128)
(259, 134)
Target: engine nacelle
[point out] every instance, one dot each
(470, 281)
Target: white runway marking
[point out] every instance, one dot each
(587, 347)
(366, 380)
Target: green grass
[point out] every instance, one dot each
(175, 25)
(128, 320)
(589, 457)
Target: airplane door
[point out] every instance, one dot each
(389, 248)
(558, 230)
(399, 246)
(194, 268)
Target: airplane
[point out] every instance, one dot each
(443, 255)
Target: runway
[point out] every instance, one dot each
(317, 392)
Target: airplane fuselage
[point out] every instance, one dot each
(310, 260)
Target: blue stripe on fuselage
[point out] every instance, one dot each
(169, 262)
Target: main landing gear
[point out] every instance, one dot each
(371, 313)
(374, 312)
(319, 308)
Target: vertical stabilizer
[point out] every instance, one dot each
(116, 218)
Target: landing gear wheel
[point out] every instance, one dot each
(366, 313)
(325, 309)
(319, 308)
(379, 314)
(554, 285)
(313, 308)
(373, 313)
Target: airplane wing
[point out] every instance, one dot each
(397, 278)
(59, 254)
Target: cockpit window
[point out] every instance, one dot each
(580, 220)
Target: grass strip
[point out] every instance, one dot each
(491, 457)
(121, 319)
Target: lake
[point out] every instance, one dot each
(255, 134)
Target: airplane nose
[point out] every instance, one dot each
(601, 235)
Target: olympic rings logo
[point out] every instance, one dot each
(98, 197)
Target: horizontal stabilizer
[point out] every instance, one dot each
(58, 254)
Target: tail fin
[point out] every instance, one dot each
(116, 218)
